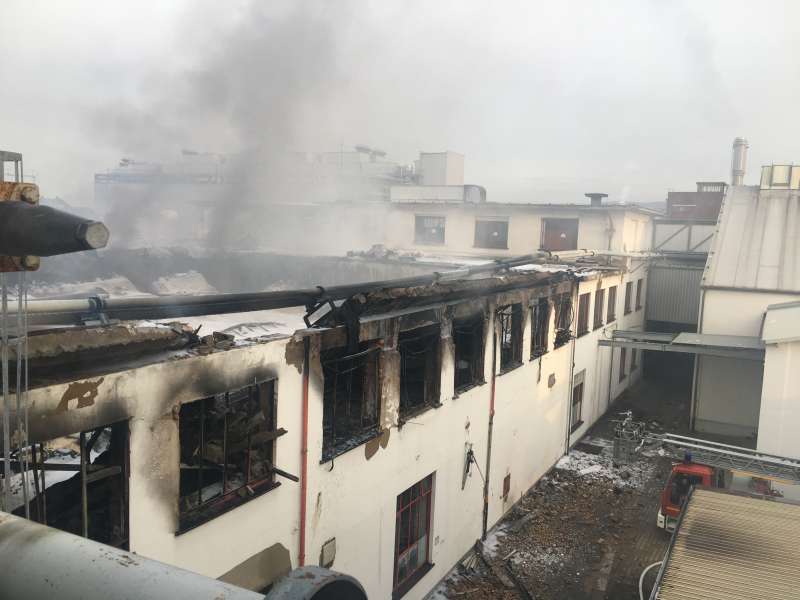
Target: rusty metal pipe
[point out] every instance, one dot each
(35, 230)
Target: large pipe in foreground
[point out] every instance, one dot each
(34, 230)
(42, 562)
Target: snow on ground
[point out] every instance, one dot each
(590, 465)
(187, 283)
(112, 286)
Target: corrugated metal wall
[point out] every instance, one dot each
(673, 293)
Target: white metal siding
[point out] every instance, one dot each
(673, 293)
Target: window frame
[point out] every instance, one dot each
(623, 367)
(576, 399)
(540, 327)
(554, 220)
(400, 588)
(562, 305)
(510, 319)
(432, 384)
(502, 243)
(599, 301)
(420, 238)
(611, 309)
(628, 297)
(583, 313)
(208, 510)
(477, 361)
(639, 287)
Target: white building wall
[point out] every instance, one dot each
(779, 420)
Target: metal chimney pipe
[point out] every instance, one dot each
(739, 161)
(32, 229)
(596, 198)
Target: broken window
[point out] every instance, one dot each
(540, 313)
(559, 234)
(510, 318)
(623, 359)
(599, 298)
(227, 449)
(639, 293)
(563, 306)
(419, 369)
(428, 230)
(468, 341)
(491, 233)
(611, 314)
(576, 412)
(412, 536)
(350, 401)
(79, 484)
(583, 314)
(628, 294)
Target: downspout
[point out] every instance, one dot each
(571, 364)
(693, 402)
(301, 553)
(491, 423)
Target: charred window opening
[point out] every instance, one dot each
(79, 484)
(468, 341)
(510, 319)
(563, 304)
(541, 325)
(351, 404)
(583, 314)
(428, 230)
(227, 452)
(419, 369)
(559, 234)
(599, 298)
(611, 314)
(491, 233)
(628, 294)
(412, 536)
(639, 285)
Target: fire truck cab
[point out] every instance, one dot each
(682, 479)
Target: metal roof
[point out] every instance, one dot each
(728, 346)
(732, 547)
(757, 243)
(782, 323)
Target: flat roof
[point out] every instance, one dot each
(782, 323)
(732, 547)
(726, 346)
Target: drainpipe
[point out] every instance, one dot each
(301, 554)
(571, 363)
(693, 402)
(491, 423)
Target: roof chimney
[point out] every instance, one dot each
(596, 198)
(739, 161)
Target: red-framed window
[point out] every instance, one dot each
(412, 535)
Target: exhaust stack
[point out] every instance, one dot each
(739, 161)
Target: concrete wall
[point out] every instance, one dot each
(779, 417)
(618, 231)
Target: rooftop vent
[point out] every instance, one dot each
(595, 198)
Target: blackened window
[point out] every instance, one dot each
(623, 360)
(510, 320)
(491, 233)
(577, 402)
(419, 369)
(540, 322)
(563, 307)
(468, 341)
(599, 298)
(227, 448)
(611, 314)
(639, 293)
(350, 398)
(429, 230)
(583, 314)
(559, 234)
(412, 535)
(628, 294)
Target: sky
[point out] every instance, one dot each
(547, 100)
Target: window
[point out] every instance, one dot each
(429, 230)
(575, 419)
(227, 448)
(623, 359)
(491, 233)
(611, 313)
(559, 234)
(599, 298)
(541, 323)
(639, 294)
(350, 403)
(583, 314)
(634, 359)
(510, 318)
(628, 293)
(563, 305)
(468, 342)
(412, 536)
(419, 369)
